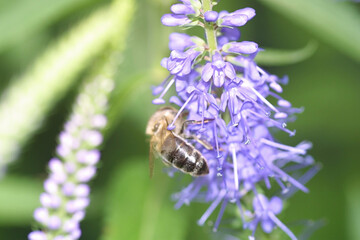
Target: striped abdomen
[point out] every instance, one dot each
(183, 156)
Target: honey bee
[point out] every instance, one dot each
(173, 149)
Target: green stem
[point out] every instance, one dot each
(209, 28)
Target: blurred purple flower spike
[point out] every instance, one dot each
(66, 193)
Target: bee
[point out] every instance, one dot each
(171, 146)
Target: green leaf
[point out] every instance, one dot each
(19, 197)
(28, 99)
(19, 19)
(138, 207)
(279, 57)
(334, 22)
(125, 92)
(353, 209)
(310, 227)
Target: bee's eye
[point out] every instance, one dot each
(156, 127)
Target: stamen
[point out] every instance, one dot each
(281, 126)
(275, 95)
(167, 87)
(263, 99)
(281, 225)
(290, 179)
(221, 213)
(245, 128)
(216, 141)
(304, 179)
(255, 104)
(171, 126)
(212, 207)
(253, 232)
(267, 182)
(281, 184)
(203, 112)
(241, 211)
(261, 70)
(236, 177)
(230, 107)
(158, 89)
(184, 194)
(282, 146)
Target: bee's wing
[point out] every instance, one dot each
(155, 142)
(151, 158)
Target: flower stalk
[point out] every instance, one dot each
(210, 32)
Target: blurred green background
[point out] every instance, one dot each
(126, 204)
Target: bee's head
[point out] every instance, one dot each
(160, 120)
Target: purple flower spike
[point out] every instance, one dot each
(211, 16)
(221, 89)
(66, 187)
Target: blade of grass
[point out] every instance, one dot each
(334, 22)
(19, 19)
(29, 98)
(19, 196)
(353, 209)
(127, 89)
(280, 57)
(139, 208)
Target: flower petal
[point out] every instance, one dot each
(234, 20)
(275, 205)
(182, 9)
(172, 20)
(249, 12)
(267, 225)
(229, 71)
(207, 72)
(244, 47)
(219, 78)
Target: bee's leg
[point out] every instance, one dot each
(193, 122)
(206, 144)
(166, 162)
